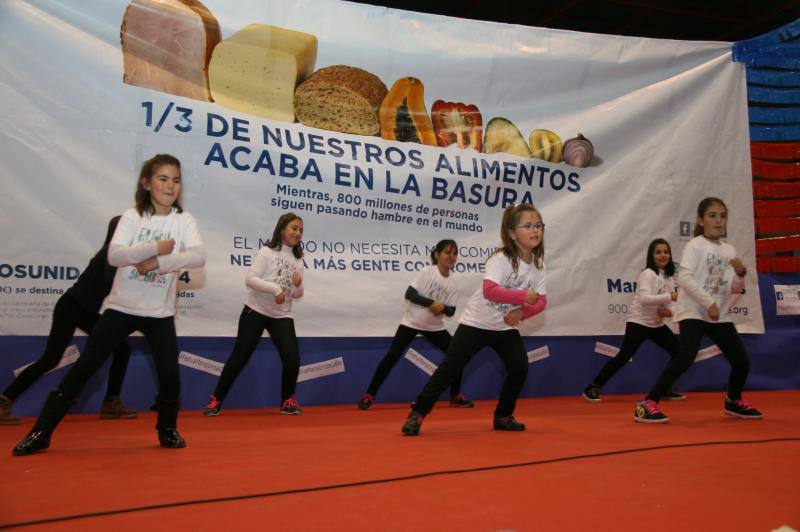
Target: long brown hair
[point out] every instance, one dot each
(701, 211)
(144, 203)
(276, 242)
(510, 219)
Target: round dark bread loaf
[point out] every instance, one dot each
(341, 98)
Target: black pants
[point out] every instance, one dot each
(68, 315)
(402, 338)
(726, 338)
(465, 343)
(248, 335)
(635, 334)
(113, 327)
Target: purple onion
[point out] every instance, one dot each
(578, 151)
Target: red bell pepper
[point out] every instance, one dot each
(457, 123)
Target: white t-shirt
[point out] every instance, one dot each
(652, 289)
(705, 276)
(153, 294)
(270, 276)
(485, 314)
(430, 283)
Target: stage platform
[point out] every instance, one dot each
(578, 466)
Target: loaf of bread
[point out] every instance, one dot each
(341, 98)
(167, 45)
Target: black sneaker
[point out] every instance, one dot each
(461, 401)
(365, 403)
(36, 440)
(5, 412)
(648, 412)
(213, 407)
(171, 439)
(741, 408)
(592, 393)
(413, 423)
(673, 395)
(508, 423)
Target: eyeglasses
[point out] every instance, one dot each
(530, 225)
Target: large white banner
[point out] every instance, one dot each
(667, 121)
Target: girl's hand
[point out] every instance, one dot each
(664, 312)
(296, 279)
(437, 307)
(738, 267)
(513, 317)
(164, 247)
(280, 298)
(531, 297)
(674, 296)
(713, 312)
(147, 266)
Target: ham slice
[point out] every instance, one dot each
(167, 45)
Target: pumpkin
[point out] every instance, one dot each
(403, 115)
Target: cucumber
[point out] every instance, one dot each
(501, 135)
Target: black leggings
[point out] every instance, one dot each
(113, 327)
(465, 343)
(726, 338)
(635, 334)
(251, 326)
(402, 338)
(68, 315)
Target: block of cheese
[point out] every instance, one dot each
(341, 98)
(167, 45)
(257, 69)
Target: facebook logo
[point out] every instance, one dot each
(685, 229)
(779, 296)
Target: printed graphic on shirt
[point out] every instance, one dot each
(716, 284)
(661, 285)
(284, 275)
(437, 292)
(512, 281)
(147, 235)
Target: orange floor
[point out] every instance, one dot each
(578, 466)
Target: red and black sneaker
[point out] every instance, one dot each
(291, 407)
(647, 412)
(213, 407)
(365, 403)
(741, 408)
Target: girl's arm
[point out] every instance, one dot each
(253, 279)
(450, 302)
(194, 251)
(193, 257)
(645, 289)
(120, 250)
(494, 292)
(416, 298)
(297, 292)
(737, 284)
(530, 310)
(297, 289)
(738, 279)
(692, 289)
